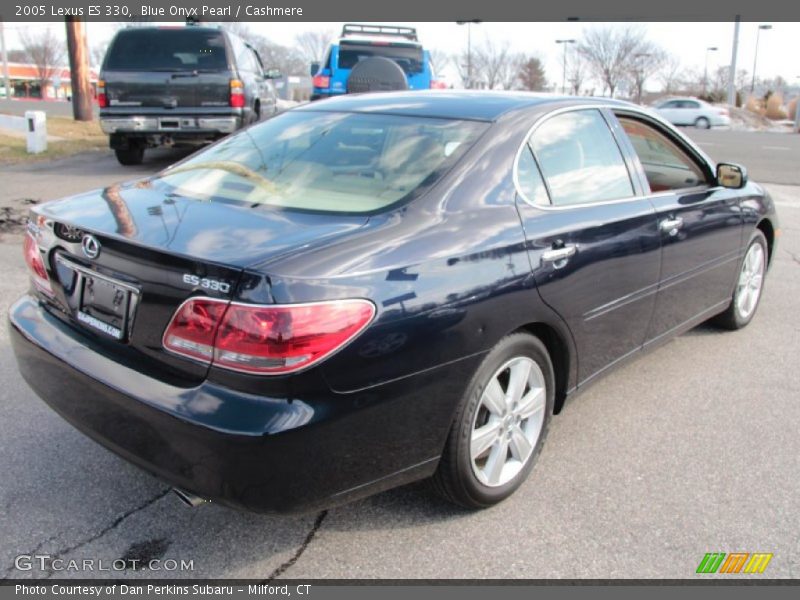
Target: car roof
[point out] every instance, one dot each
(452, 104)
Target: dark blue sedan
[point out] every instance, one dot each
(376, 289)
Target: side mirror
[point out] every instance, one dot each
(731, 176)
(273, 74)
(314, 68)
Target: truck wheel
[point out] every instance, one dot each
(132, 155)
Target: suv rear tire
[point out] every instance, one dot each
(132, 155)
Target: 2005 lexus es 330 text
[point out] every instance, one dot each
(375, 289)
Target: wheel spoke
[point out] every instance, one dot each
(483, 438)
(518, 380)
(520, 446)
(494, 398)
(532, 403)
(496, 461)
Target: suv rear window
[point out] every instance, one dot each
(408, 57)
(326, 161)
(167, 50)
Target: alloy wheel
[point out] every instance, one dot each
(751, 278)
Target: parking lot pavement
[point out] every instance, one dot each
(692, 448)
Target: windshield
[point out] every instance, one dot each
(408, 57)
(326, 161)
(167, 50)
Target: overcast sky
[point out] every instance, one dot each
(778, 52)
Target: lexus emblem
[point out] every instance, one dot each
(90, 246)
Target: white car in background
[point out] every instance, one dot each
(692, 111)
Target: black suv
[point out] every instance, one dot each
(179, 86)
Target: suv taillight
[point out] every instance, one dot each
(321, 81)
(237, 94)
(33, 258)
(102, 99)
(264, 339)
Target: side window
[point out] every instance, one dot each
(671, 104)
(580, 159)
(666, 166)
(530, 179)
(691, 104)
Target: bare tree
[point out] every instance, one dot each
(46, 52)
(97, 54)
(531, 75)
(645, 63)
(494, 64)
(609, 52)
(439, 60)
(314, 44)
(576, 73)
(670, 74)
(289, 61)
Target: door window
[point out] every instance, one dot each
(666, 166)
(580, 159)
(530, 179)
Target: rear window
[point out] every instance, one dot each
(324, 161)
(167, 50)
(408, 57)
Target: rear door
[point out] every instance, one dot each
(167, 68)
(700, 226)
(593, 240)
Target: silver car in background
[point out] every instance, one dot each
(692, 111)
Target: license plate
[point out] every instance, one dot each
(104, 306)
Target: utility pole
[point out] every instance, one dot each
(732, 72)
(564, 71)
(6, 78)
(79, 70)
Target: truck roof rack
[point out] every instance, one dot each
(409, 33)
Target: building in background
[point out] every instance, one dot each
(25, 83)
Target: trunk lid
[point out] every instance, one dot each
(154, 251)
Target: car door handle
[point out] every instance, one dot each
(671, 226)
(560, 255)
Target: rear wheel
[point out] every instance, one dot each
(749, 285)
(500, 425)
(132, 155)
(702, 123)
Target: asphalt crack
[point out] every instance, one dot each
(114, 524)
(794, 256)
(280, 570)
(38, 547)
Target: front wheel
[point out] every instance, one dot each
(749, 285)
(500, 426)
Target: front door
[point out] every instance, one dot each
(699, 222)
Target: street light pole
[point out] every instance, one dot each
(564, 71)
(705, 69)
(755, 58)
(6, 80)
(469, 48)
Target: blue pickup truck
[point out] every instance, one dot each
(357, 62)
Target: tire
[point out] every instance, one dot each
(478, 480)
(702, 123)
(376, 74)
(749, 285)
(132, 155)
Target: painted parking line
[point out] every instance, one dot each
(775, 148)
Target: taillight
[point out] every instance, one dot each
(723, 111)
(102, 99)
(191, 331)
(265, 339)
(33, 258)
(237, 94)
(438, 85)
(321, 81)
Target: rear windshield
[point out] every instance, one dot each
(408, 57)
(167, 50)
(325, 161)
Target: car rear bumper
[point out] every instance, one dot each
(146, 125)
(263, 453)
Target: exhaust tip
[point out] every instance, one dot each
(189, 499)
